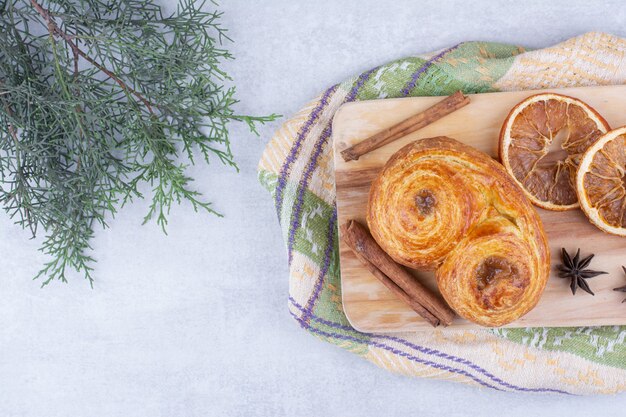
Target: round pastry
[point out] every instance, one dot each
(441, 205)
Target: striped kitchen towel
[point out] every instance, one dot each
(297, 169)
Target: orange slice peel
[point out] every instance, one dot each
(601, 182)
(541, 143)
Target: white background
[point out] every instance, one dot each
(196, 323)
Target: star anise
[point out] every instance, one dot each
(574, 269)
(622, 289)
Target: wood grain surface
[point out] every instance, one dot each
(371, 307)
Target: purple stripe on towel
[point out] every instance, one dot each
(312, 164)
(295, 148)
(395, 352)
(413, 81)
(303, 186)
(428, 351)
(324, 270)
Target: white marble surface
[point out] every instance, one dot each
(196, 323)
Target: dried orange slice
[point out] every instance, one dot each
(601, 182)
(541, 143)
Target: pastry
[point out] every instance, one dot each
(444, 206)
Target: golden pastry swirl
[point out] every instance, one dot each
(441, 205)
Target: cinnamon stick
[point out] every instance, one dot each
(410, 125)
(394, 276)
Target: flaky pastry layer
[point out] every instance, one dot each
(441, 205)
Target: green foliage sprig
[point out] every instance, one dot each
(98, 97)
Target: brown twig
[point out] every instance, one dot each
(56, 30)
(410, 125)
(75, 56)
(394, 276)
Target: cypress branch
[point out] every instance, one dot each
(97, 98)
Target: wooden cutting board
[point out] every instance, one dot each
(370, 307)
